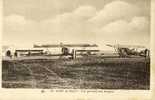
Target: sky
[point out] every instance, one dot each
(26, 22)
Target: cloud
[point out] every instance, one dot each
(137, 25)
(72, 26)
(85, 11)
(140, 24)
(114, 11)
(135, 31)
(19, 30)
(80, 13)
(17, 22)
(15, 19)
(117, 22)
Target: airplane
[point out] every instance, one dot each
(130, 50)
(66, 48)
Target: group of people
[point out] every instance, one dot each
(9, 54)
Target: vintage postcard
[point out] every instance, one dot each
(90, 49)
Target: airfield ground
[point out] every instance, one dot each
(84, 73)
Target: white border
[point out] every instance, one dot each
(28, 94)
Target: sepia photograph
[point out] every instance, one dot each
(76, 44)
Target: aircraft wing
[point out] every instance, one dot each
(27, 50)
(110, 45)
(87, 50)
(126, 46)
(64, 45)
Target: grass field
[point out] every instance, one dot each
(83, 73)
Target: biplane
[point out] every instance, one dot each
(131, 50)
(71, 49)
